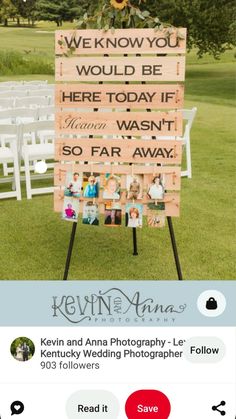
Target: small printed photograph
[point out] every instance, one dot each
(134, 215)
(157, 206)
(90, 213)
(70, 209)
(134, 186)
(113, 215)
(91, 185)
(112, 187)
(22, 349)
(156, 218)
(156, 187)
(73, 185)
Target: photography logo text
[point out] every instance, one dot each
(115, 306)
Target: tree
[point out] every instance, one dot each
(25, 9)
(210, 23)
(7, 11)
(64, 10)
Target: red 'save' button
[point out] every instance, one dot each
(147, 404)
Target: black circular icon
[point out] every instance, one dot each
(17, 408)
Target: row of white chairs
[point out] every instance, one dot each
(26, 95)
(23, 115)
(26, 92)
(23, 82)
(26, 88)
(29, 142)
(26, 102)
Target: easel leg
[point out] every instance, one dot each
(135, 242)
(72, 237)
(174, 247)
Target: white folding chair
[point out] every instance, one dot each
(7, 87)
(25, 87)
(11, 83)
(37, 82)
(7, 103)
(42, 92)
(48, 94)
(18, 87)
(50, 86)
(43, 149)
(46, 113)
(9, 134)
(5, 119)
(32, 101)
(17, 116)
(7, 94)
(5, 116)
(188, 117)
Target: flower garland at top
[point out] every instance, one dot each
(112, 14)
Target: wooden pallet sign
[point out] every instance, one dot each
(135, 96)
(122, 41)
(132, 158)
(120, 123)
(86, 69)
(129, 151)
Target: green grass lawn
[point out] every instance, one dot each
(34, 240)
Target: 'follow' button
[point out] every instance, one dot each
(204, 349)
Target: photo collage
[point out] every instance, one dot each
(104, 198)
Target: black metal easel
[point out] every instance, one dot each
(174, 247)
(135, 253)
(69, 253)
(135, 248)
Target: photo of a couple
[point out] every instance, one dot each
(22, 349)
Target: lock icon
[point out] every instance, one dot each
(211, 304)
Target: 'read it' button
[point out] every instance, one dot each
(147, 404)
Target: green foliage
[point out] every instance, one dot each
(12, 62)
(25, 9)
(7, 11)
(63, 10)
(211, 24)
(105, 16)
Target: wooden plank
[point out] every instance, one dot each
(120, 123)
(58, 200)
(130, 151)
(124, 41)
(172, 174)
(171, 200)
(135, 96)
(172, 204)
(120, 69)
